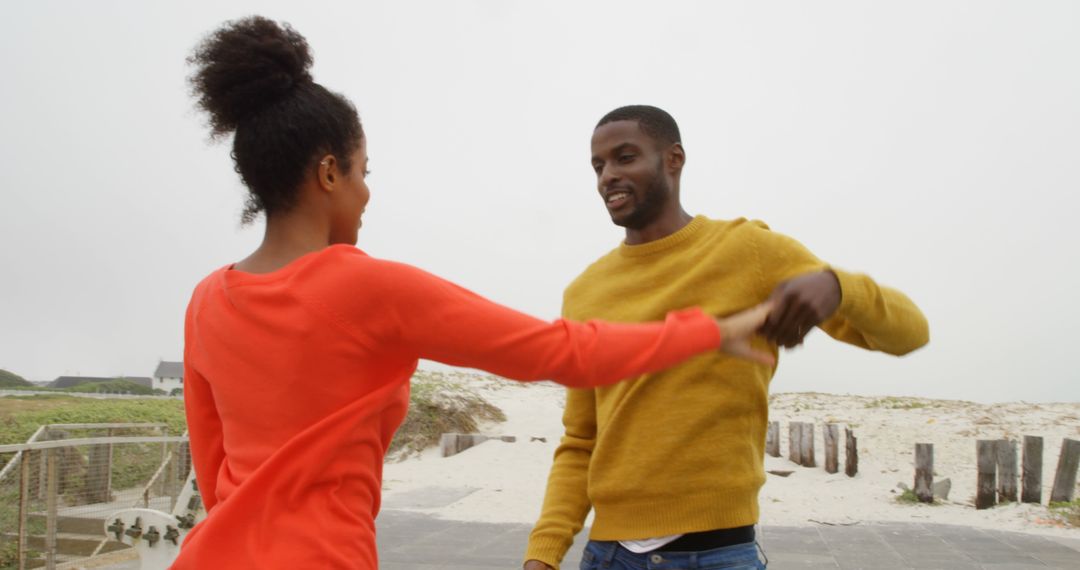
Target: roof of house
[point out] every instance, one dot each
(167, 369)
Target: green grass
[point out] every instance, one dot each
(1067, 513)
(12, 380)
(9, 556)
(117, 386)
(908, 497)
(894, 403)
(114, 386)
(20, 416)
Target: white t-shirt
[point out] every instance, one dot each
(648, 544)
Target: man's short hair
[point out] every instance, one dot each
(653, 121)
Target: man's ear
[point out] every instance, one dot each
(327, 172)
(675, 158)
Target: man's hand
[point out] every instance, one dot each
(799, 305)
(536, 565)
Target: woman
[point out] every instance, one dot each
(298, 358)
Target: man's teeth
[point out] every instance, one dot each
(617, 196)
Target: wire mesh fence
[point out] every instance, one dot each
(58, 490)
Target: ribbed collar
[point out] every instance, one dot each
(665, 243)
(233, 277)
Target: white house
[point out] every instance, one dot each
(169, 376)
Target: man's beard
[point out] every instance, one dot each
(652, 203)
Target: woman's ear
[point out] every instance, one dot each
(327, 172)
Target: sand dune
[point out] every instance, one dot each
(504, 482)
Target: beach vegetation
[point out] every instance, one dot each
(12, 380)
(439, 403)
(895, 403)
(116, 386)
(1067, 513)
(20, 416)
(908, 497)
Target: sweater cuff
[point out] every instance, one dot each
(852, 296)
(550, 551)
(702, 326)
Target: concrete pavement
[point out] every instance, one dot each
(411, 541)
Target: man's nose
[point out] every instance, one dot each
(608, 176)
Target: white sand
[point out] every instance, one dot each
(504, 482)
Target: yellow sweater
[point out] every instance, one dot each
(682, 450)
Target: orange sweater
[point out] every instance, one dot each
(296, 380)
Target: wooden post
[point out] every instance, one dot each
(108, 484)
(1033, 463)
(163, 481)
(455, 443)
(1065, 478)
(43, 483)
(924, 472)
(851, 461)
(1006, 464)
(33, 457)
(772, 439)
(52, 483)
(831, 436)
(24, 507)
(986, 452)
(178, 473)
(807, 437)
(795, 442)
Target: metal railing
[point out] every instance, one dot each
(57, 490)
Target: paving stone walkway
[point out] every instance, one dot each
(410, 541)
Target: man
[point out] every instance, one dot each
(671, 463)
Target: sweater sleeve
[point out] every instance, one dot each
(438, 320)
(876, 317)
(870, 315)
(566, 501)
(204, 424)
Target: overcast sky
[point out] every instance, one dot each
(932, 145)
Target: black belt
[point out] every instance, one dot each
(710, 539)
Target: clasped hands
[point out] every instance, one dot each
(794, 308)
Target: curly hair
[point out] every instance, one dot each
(252, 78)
(653, 121)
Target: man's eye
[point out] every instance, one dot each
(626, 158)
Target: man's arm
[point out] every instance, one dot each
(876, 317)
(849, 307)
(566, 501)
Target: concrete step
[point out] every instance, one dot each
(70, 545)
(87, 525)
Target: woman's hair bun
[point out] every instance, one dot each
(246, 66)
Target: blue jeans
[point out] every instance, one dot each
(602, 555)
